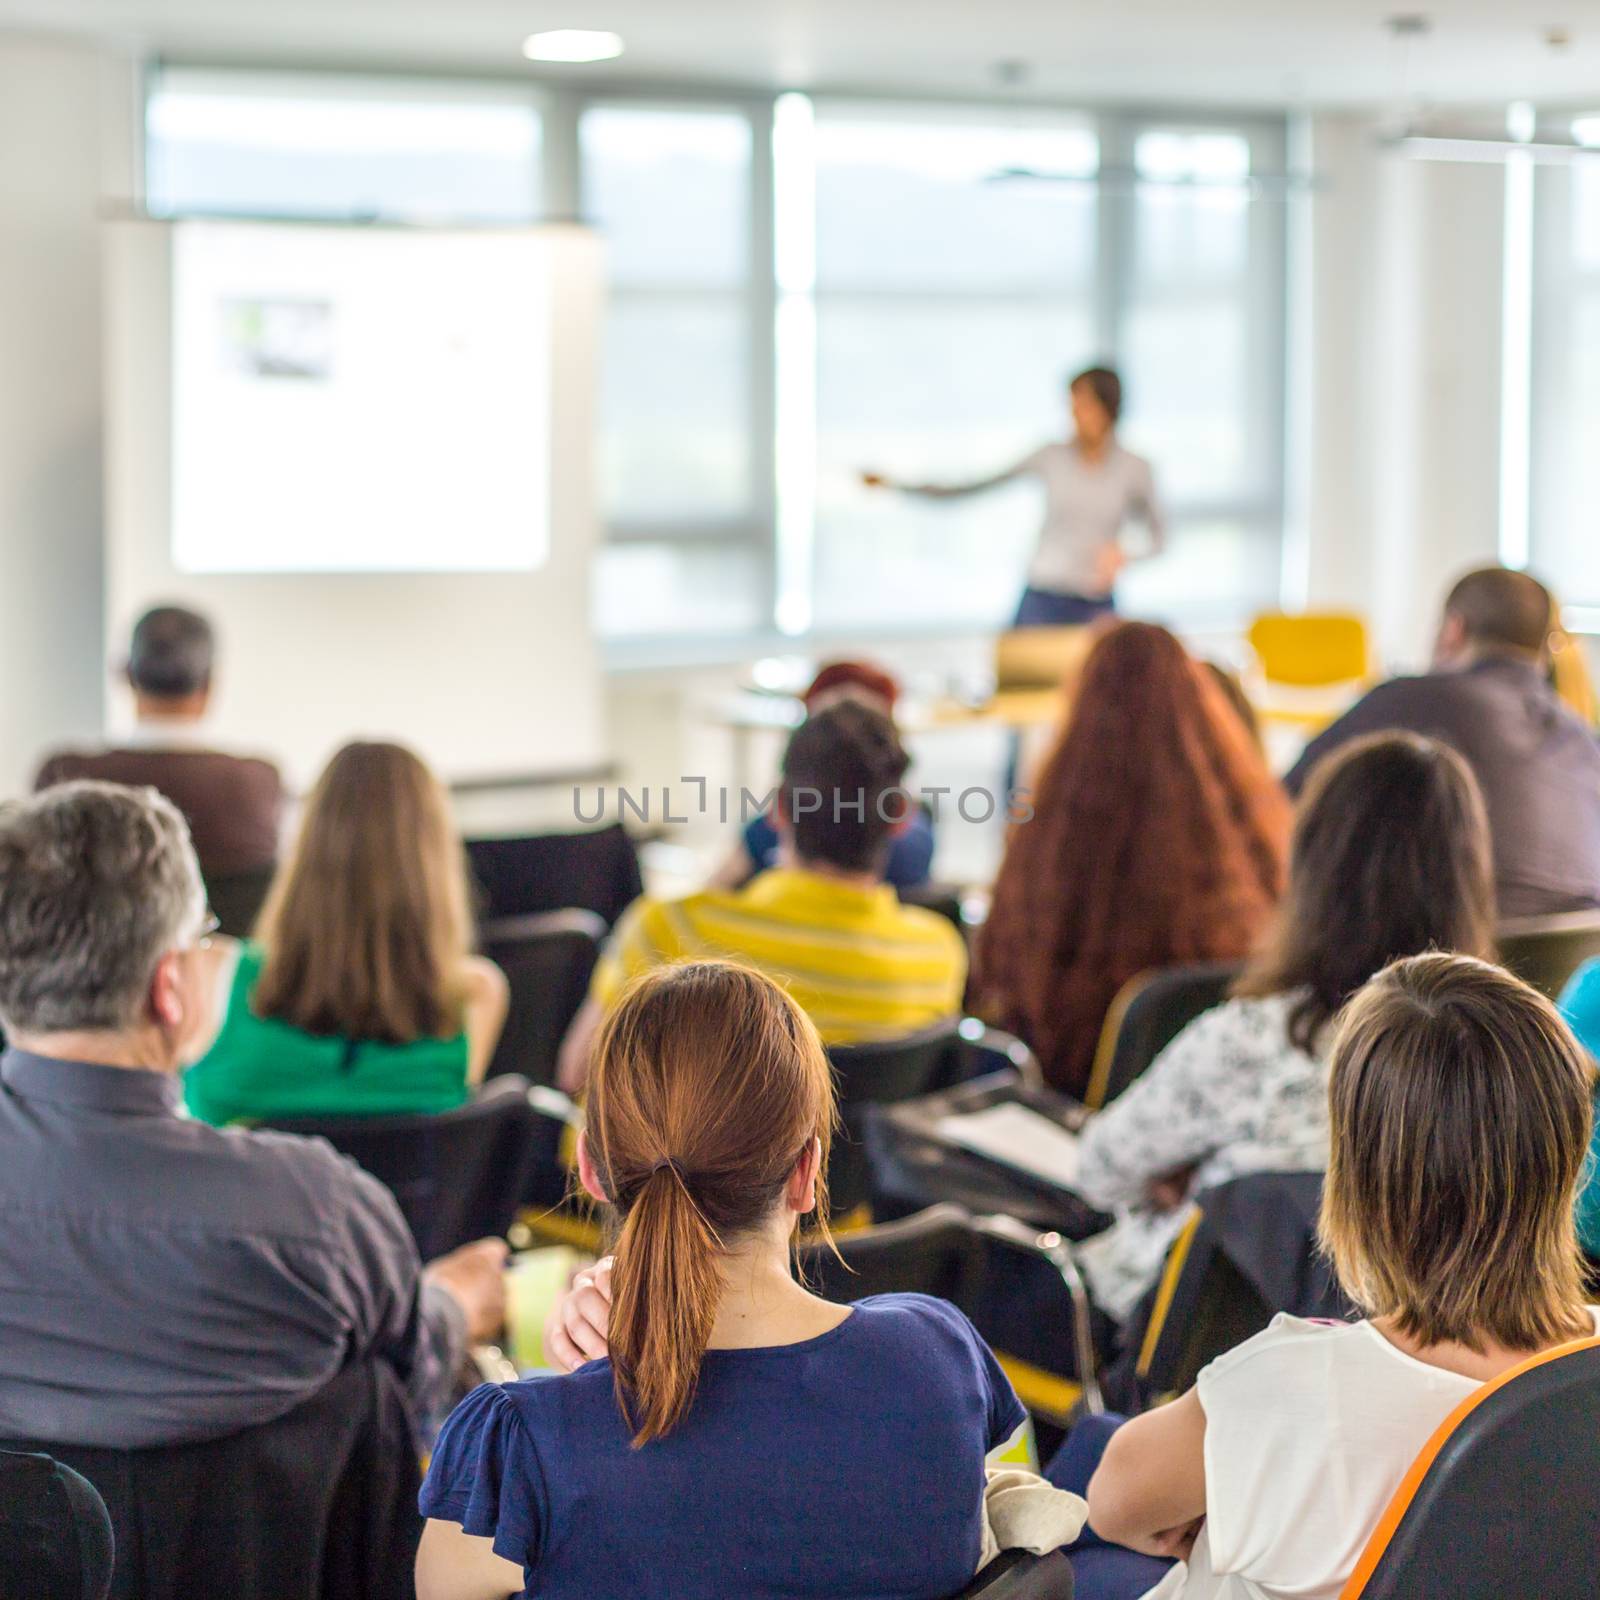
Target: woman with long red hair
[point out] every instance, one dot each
(1158, 837)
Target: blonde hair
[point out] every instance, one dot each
(367, 925)
(708, 1085)
(1460, 1109)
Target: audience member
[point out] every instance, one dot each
(744, 1436)
(1232, 687)
(1460, 1114)
(910, 854)
(360, 993)
(1158, 837)
(1489, 696)
(160, 1280)
(1580, 1006)
(233, 804)
(1390, 857)
(861, 964)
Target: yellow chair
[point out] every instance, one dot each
(1309, 666)
(1569, 671)
(1311, 650)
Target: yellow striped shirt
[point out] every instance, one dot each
(862, 965)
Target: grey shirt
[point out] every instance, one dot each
(164, 1281)
(1086, 505)
(1537, 764)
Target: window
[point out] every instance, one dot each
(1564, 548)
(390, 149)
(669, 187)
(800, 290)
(1201, 352)
(951, 299)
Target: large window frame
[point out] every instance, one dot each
(771, 534)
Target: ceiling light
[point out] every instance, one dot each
(572, 44)
(1586, 131)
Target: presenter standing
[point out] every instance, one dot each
(1092, 488)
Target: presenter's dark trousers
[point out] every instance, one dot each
(1100, 1571)
(1048, 608)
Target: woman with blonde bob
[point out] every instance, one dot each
(744, 1436)
(1460, 1113)
(360, 993)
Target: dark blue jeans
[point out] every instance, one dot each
(1100, 1571)
(1045, 608)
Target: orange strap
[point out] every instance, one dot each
(1401, 1500)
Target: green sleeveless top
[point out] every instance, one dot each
(260, 1069)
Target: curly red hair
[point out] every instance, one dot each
(1158, 837)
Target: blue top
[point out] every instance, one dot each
(910, 856)
(1580, 1005)
(849, 1466)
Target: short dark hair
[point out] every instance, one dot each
(1390, 857)
(841, 786)
(172, 653)
(1105, 384)
(1503, 609)
(1459, 1109)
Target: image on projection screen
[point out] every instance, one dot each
(352, 400)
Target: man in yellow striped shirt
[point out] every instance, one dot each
(823, 922)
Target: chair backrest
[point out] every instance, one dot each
(1546, 951)
(1311, 649)
(946, 899)
(320, 1504)
(1021, 1575)
(597, 871)
(934, 1252)
(882, 1072)
(1247, 1252)
(1149, 1012)
(547, 959)
(458, 1175)
(1503, 1499)
(56, 1541)
(236, 899)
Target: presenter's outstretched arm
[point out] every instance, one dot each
(952, 491)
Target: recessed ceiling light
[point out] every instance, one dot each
(1586, 131)
(572, 44)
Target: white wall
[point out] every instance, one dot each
(65, 142)
(1405, 380)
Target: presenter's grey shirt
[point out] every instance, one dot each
(163, 1281)
(1086, 506)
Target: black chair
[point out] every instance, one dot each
(1546, 951)
(1020, 1287)
(318, 1505)
(1148, 1013)
(56, 1541)
(236, 899)
(1503, 1500)
(1019, 1575)
(884, 1072)
(1248, 1251)
(947, 899)
(458, 1175)
(595, 871)
(547, 958)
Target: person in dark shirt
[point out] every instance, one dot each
(162, 1281)
(1489, 697)
(233, 804)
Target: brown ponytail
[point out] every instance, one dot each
(708, 1084)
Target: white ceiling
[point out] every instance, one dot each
(1271, 52)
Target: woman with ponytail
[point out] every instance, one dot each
(744, 1436)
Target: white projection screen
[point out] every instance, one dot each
(342, 395)
(367, 455)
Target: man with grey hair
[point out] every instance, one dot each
(233, 804)
(163, 1281)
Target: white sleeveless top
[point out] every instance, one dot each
(1310, 1428)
